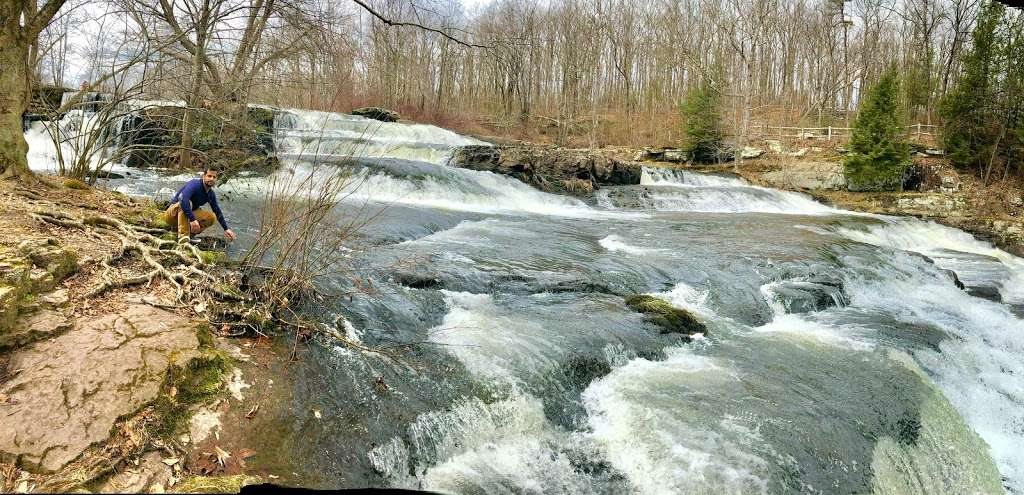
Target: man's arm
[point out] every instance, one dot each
(186, 200)
(216, 210)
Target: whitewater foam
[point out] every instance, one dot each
(310, 134)
(422, 185)
(615, 243)
(635, 415)
(489, 342)
(687, 191)
(937, 241)
(506, 446)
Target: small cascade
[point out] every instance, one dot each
(325, 136)
(679, 190)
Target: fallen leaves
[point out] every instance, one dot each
(252, 412)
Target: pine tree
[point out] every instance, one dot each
(878, 153)
(1014, 93)
(702, 123)
(969, 111)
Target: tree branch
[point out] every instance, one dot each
(42, 18)
(390, 22)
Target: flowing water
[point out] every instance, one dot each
(840, 355)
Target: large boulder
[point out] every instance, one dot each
(550, 168)
(377, 113)
(66, 393)
(807, 175)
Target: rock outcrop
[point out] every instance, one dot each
(228, 144)
(807, 175)
(28, 310)
(64, 394)
(670, 318)
(550, 168)
(377, 113)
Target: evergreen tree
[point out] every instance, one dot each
(969, 111)
(878, 153)
(702, 123)
(1014, 92)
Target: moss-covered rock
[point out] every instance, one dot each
(15, 284)
(55, 263)
(75, 184)
(211, 257)
(196, 383)
(670, 318)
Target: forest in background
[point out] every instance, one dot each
(573, 72)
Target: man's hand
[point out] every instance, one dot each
(230, 235)
(194, 225)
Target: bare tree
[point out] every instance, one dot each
(21, 21)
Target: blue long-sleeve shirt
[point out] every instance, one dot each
(193, 195)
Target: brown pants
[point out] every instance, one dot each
(177, 220)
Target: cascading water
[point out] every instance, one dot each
(840, 355)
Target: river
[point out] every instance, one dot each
(840, 355)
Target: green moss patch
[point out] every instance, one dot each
(215, 484)
(211, 257)
(196, 383)
(670, 318)
(75, 184)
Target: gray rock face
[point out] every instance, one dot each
(39, 267)
(750, 152)
(808, 175)
(15, 283)
(53, 263)
(550, 169)
(40, 325)
(377, 113)
(672, 155)
(67, 392)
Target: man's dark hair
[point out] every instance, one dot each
(211, 168)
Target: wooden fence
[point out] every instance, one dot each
(836, 133)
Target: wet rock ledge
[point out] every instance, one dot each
(550, 168)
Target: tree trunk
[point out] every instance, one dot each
(14, 98)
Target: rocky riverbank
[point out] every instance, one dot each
(112, 393)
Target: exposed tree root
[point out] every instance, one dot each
(180, 264)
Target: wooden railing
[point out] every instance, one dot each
(837, 133)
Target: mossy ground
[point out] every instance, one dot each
(196, 383)
(75, 184)
(670, 318)
(215, 484)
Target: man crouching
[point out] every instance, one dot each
(184, 214)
